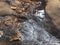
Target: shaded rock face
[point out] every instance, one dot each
(53, 12)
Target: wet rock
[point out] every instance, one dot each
(53, 12)
(53, 15)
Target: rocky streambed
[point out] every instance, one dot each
(27, 27)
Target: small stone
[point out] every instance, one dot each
(1, 33)
(15, 39)
(13, 7)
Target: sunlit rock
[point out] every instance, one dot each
(5, 9)
(1, 33)
(53, 11)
